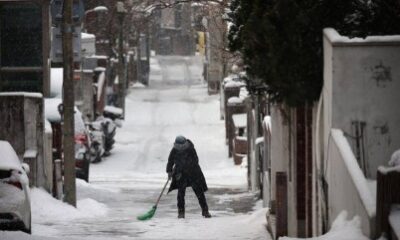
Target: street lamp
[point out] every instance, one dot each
(97, 9)
(121, 11)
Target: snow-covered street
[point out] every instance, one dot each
(127, 183)
(199, 119)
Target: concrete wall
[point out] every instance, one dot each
(22, 124)
(361, 83)
(348, 188)
(34, 134)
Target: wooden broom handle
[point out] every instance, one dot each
(159, 197)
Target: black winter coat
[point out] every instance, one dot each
(186, 169)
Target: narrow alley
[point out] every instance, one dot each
(128, 182)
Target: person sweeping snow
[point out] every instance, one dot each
(184, 169)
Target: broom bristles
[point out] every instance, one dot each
(147, 215)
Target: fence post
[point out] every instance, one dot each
(281, 205)
(387, 193)
(58, 179)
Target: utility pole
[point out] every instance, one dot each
(68, 105)
(121, 61)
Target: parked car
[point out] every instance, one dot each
(81, 136)
(82, 147)
(15, 203)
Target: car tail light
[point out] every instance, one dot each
(15, 184)
(79, 163)
(80, 138)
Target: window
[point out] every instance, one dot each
(21, 48)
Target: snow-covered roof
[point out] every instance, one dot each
(100, 69)
(228, 78)
(9, 159)
(232, 77)
(99, 56)
(114, 110)
(242, 138)
(22, 94)
(335, 38)
(88, 36)
(235, 100)
(233, 84)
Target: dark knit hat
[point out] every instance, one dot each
(180, 139)
(181, 143)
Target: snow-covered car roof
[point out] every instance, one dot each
(51, 113)
(9, 159)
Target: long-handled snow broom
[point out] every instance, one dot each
(152, 211)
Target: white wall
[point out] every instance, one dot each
(362, 82)
(282, 158)
(348, 188)
(279, 147)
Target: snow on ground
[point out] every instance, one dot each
(246, 226)
(47, 211)
(54, 210)
(157, 114)
(127, 183)
(342, 229)
(231, 197)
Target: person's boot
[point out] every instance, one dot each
(205, 213)
(181, 213)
